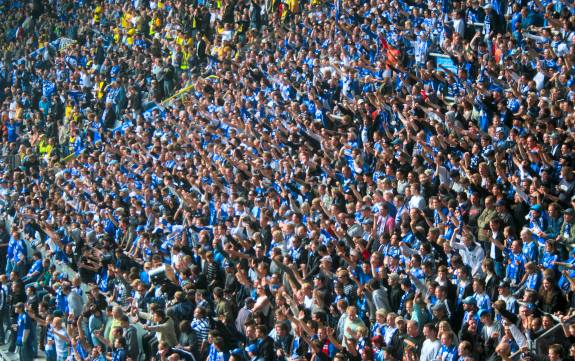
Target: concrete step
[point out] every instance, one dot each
(9, 356)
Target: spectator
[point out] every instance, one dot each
(344, 172)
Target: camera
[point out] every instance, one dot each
(158, 275)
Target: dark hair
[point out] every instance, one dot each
(160, 313)
(121, 340)
(431, 327)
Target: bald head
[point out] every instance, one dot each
(503, 349)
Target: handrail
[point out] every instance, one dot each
(533, 344)
(548, 332)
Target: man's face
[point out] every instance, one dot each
(553, 356)
(251, 332)
(412, 330)
(352, 315)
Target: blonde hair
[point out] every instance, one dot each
(361, 331)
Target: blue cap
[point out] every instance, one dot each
(253, 348)
(139, 228)
(536, 207)
(483, 312)
(63, 276)
(470, 300)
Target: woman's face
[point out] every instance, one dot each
(445, 340)
(535, 323)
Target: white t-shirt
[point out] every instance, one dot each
(61, 344)
(429, 350)
(417, 201)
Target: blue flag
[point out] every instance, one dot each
(48, 88)
(78, 146)
(71, 60)
(77, 95)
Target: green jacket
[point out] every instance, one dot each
(567, 234)
(483, 221)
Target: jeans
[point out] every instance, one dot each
(50, 355)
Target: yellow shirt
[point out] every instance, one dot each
(293, 5)
(101, 88)
(68, 111)
(126, 21)
(45, 148)
(185, 59)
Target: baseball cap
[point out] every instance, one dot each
(236, 352)
(253, 348)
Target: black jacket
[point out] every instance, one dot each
(266, 349)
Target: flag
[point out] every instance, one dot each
(48, 88)
(148, 113)
(77, 95)
(72, 61)
(78, 146)
(124, 127)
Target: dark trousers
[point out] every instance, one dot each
(150, 345)
(26, 352)
(2, 322)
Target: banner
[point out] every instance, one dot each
(443, 62)
(48, 88)
(148, 112)
(58, 44)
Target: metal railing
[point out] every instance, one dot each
(541, 344)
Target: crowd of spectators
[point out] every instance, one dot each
(338, 180)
